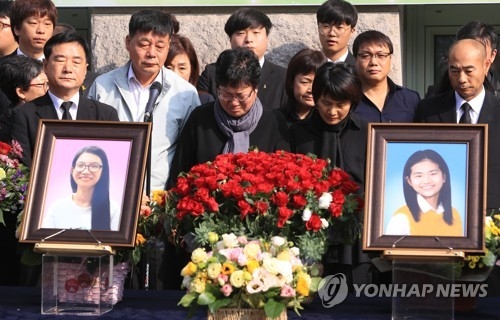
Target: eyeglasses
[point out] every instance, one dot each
(367, 56)
(93, 167)
(227, 97)
(3, 25)
(325, 29)
(45, 85)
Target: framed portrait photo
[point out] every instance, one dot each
(425, 188)
(86, 183)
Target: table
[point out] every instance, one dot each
(24, 303)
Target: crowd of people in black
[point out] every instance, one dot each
(320, 103)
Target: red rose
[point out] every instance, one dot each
(182, 186)
(314, 223)
(280, 199)
(4, 148)
(338, 197)
(245, 208)
(262, 206)
(298, 201)
(335, 209)
(211, 204)
(337, 176)
(349, 187)
(284, 213)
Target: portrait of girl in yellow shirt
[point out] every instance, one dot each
(427, 191)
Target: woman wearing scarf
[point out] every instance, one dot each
(333, 132)
(233, 123)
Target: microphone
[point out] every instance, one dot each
(154, 92)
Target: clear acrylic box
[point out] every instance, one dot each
(77, 284)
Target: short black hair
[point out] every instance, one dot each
(338, 81)
(235, 67)
(66, 37)
(158, 22)
(479, 31)
(337, 12)
(5, 8)
(18, 72)
(371, 37)
(245, 18)
(305, 61)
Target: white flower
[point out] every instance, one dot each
(324, 223)
(325, 200)
(278, 241)
(306, 214)
(255, 285)
(295, 251)
(230, 240)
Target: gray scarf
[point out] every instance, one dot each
(238, 130)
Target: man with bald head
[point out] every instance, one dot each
(469, 102)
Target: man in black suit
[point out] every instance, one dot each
(250, 28)
(336, 25)
(66, 60)
(469, 102)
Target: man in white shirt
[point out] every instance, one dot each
(128, 88)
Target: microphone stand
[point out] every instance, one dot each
(148, 118)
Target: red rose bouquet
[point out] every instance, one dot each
(261, 195)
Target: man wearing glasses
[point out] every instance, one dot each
(336, 24)
(383, 100)
(66, 60)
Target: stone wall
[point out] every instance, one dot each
(293, 29)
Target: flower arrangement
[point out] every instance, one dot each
(13, 179)
(242, 273)
(149, 228)
(261, 195)
(476, 267)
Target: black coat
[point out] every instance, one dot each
(306, 137)
(201, 140)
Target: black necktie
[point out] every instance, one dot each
(65, 106)
(465, 118)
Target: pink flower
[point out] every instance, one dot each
(226, 290)
(287, 291)
(222, 279)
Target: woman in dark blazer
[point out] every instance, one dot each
(333, 132)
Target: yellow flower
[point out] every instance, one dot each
(214, 270)
(237, 278)
(213, 237)
(139, 239)
(2, 174)
(302, 287)
(198, 285)
(189, 270)
(475, 258)
(199, 255)
(284, 255)
(158, 196)
(252, 264)
(227, 268)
